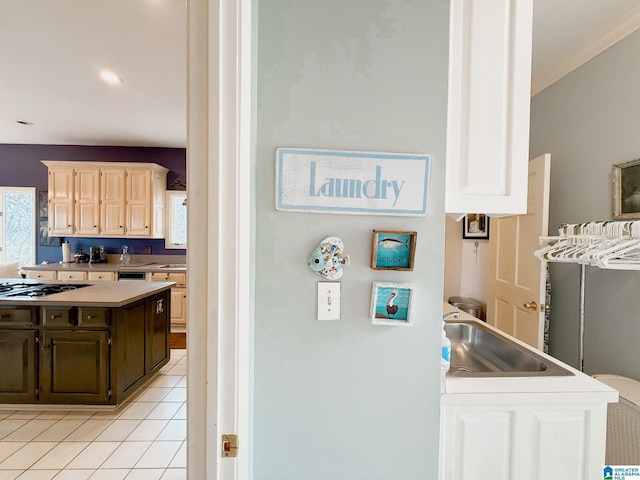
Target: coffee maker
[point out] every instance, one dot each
(97, 255)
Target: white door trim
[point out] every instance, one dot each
(219, 231)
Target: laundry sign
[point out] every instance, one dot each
(336, 181)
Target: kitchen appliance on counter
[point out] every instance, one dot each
(81, 257)
(97, 255)
(23, 289)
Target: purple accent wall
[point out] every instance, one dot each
(21, 166)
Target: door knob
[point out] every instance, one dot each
(532, 306)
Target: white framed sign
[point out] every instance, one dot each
(337, 181)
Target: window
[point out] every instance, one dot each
(176, 235)
(17, 225)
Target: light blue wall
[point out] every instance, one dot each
(588, 121)
(347, 400)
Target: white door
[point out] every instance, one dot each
(516, 277)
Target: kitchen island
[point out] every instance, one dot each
(90, 344)
(519, 426)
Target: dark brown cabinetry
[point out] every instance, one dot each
(74, 367)
(79, 354)
(18, 360)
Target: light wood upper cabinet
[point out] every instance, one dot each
(488, 112)
(61, 197)
(97, 199)
(138, 202)
(112, 207)
(87, 201)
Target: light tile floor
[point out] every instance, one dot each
(143, 440)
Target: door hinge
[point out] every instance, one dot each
(109, 341)
(229, 445)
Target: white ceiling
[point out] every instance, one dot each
(52, 51)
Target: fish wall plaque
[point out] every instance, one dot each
(327, 260)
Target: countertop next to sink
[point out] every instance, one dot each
(139, 263)
(99, 294)
(579, 383)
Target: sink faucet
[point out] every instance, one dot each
(449, 315)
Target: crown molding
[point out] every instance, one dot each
(625, 26)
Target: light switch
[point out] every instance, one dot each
(328, 300)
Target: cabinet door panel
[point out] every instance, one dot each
(61, 201)
(18, 349)
(179, 306)
(138, 202)
(74, 367)
(113, 202)
(87, 201)
(489, 101)
(131, 345)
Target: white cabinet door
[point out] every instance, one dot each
(554, 438)
(87, 201)
(61, 196)
(488, 112)
(112, 208)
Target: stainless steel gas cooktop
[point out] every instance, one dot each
(18, 288)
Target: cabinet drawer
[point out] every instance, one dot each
(179, 278)
(41, 274)
(102, 276)
(58, 316)
(72, 275)
(93, 317)
(18, 316)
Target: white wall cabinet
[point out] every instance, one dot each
(488, 111)
(97, 199)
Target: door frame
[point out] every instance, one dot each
(219, 259)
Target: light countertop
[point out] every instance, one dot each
(135, 266)
(99, 294)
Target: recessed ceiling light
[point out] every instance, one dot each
(111, 78)
(25, 122)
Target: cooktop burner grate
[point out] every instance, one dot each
(38, 289)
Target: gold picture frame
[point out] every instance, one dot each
(626, 190)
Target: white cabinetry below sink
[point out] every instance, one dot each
(530, 428)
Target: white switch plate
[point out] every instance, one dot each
(328, 300)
